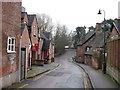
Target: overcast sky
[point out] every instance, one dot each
(73, 13)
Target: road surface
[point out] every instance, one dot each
(67, 75)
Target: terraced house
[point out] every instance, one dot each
(33, 35)
(48, 48)
(25, 46)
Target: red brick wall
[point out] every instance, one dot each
(88, 60)
(79, 51)
(25, 43)
(95, 63)
(79, 54)
(114, 32)
(26, 40)
(34, 38)
(11, 19)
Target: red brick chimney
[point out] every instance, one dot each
(98, 28)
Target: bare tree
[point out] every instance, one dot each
(45, 22)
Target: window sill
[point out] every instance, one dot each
(11, 52)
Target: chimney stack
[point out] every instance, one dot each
(98, 26)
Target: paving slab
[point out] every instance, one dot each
(98, 79)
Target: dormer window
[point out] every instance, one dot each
(34, 28)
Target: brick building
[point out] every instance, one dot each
(82, 46)
(48, 47)
(11, 23)
(25, 46)
(33, 34)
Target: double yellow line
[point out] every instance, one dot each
(85, 80)
(23, 86)
(40, 76)
(45, 73)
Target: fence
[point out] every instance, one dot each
(114, 53)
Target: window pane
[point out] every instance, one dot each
(9, 41)
(12, 40)
(9, 47)
(12, 48)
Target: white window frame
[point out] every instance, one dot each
(10, 44)
(34, 30)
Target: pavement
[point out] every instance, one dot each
(98, 79)
(35, 71)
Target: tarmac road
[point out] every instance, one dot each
(67, 75)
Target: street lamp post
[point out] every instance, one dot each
(104, 29)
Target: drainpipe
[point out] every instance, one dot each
(19, 68)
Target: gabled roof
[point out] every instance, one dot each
(43, 36)
(98, 40)
(23, 14)
(23, 27)
(46, 45)
(117, 25)
(31, 19)
(47, 34)
(87, 37)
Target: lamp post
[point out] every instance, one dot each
(104, 29)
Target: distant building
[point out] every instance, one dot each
(48, 48)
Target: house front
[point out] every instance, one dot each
(11, 26)
(82, 47)
(48, 47)
(25, 46)
(98, 49)
(33, 34)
